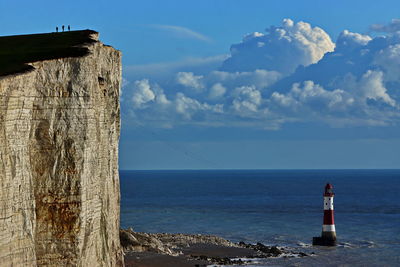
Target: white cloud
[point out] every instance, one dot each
(246, 100)
(371, 87)
(150, 101)
(190, 80)
(350, 40)
(216, 91)
(389, 59)
(317, 97)
(142, 94)
(182, 32)
(393, 26)
(356, 84)
(258, 78)
(187, 106)
(311, 101)
(162, 99)
(282, 49)
(309, 98)
(250, 36)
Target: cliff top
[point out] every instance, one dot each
(16, 51)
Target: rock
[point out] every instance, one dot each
(266, 251)
(127, 239)
(141, 242)
(276, 251)
(220, 260)
(59, 131)
(168, 244)
(206, 249)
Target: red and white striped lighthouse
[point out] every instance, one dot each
(328, 237)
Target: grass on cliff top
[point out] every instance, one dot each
(16, 51)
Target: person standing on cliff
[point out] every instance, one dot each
(69, 28)
(63, 27)
(56, 29)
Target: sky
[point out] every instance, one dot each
(245, 84)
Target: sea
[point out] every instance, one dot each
(274, 207)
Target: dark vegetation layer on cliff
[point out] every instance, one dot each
(16, 51)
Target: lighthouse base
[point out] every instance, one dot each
(323, 241)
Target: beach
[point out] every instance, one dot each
(275, 208)
(163, 249)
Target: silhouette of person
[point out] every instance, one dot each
(63, 27)
(56, 29)
(69, 28)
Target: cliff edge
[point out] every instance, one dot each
(59, 132)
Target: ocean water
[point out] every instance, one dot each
(275, 207)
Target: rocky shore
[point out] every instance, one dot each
(184, 250)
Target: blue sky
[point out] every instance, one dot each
(303, 94)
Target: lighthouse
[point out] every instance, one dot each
(328, 236)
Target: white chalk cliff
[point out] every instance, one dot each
(59, 182)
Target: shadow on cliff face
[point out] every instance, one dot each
(17, 51)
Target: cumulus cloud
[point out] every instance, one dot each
(190, 80)
(356, 83)
(281, 49)
(246, 100)
(142, 94)
(389, 59)
(187, 106)
(216, 91)
(371, 86)
(150, 101)
(350, 40)
(393, 26)
(308, 101)
(314, 97)
(259, 78)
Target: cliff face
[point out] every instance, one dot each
(59, 132)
